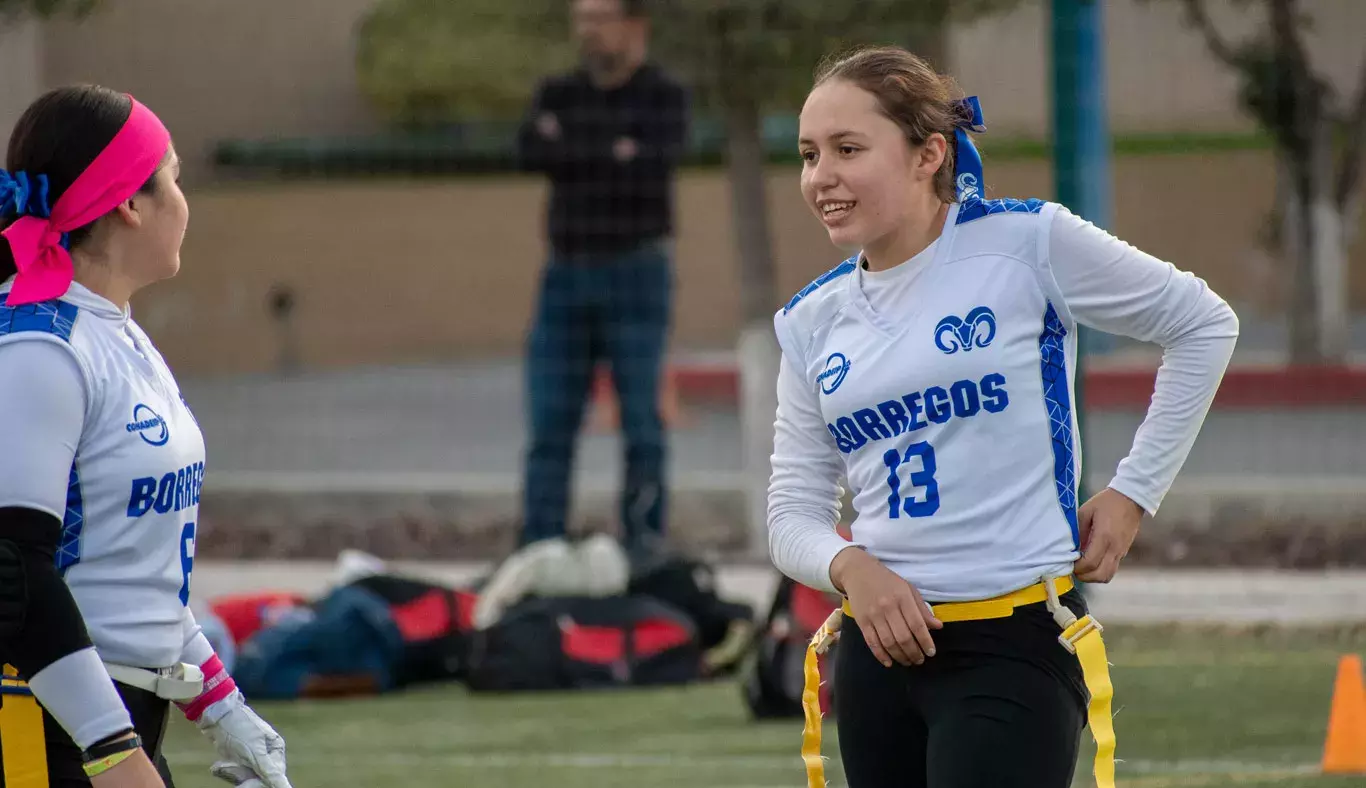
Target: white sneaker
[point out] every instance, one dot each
(605, 568)
(518, 575)
(352, 565)
(594, 567)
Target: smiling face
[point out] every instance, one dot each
(860, 176)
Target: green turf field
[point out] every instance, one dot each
(1194, 709)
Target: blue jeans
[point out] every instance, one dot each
(617, 309)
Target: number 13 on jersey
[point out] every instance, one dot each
(917, 464)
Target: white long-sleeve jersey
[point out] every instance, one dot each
(97, 434)
(941, 390)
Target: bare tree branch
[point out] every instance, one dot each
(1349, 174)
(1298, 96)
(1197, 14)
(1289, 32)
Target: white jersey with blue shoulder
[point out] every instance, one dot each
(941, 391)
(109, 446)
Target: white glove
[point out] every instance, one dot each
(252, 754)
(240, 776)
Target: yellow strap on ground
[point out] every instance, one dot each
(1095, 669)
(1089, 646)
(21, 736)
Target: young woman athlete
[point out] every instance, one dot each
(932, 370)
(102, 467)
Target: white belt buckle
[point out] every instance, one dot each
(829, 632)
(180, 683)
(1066, 618)
(1090, 626)
(185, 682)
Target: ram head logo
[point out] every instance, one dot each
(967, 187)
(977, 329)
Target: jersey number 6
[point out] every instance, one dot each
(186, 561)
(924, 477)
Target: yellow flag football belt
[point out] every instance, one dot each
(21, 731)
(1080, 636)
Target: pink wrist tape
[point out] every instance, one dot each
(217, 686)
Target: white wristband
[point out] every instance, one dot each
(77, 691)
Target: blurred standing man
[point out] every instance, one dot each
(608, 135)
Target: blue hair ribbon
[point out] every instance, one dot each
(967, 178)
(21, 197)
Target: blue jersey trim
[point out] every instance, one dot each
(15, 689)
(975, 208)
(834, 273)
(57, 318)
(69, 549)
(1058, 401)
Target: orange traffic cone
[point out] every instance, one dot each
(1344, 751)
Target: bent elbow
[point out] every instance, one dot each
(1212, 320)
(1225, 321)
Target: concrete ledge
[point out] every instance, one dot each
(1164, 597)
(1204, 522)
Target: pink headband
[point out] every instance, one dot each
(44, 265)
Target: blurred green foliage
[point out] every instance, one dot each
(431, 63)
(10, 9)
(427, 63)
(765, 52)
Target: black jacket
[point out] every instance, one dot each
(600, 203)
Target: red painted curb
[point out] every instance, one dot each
(1119, 389)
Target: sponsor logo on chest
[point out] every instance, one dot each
(148, 425)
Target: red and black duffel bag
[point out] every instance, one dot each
(435, 622)
(585, 643)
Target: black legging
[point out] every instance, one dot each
(1001, 705)
(150, 715)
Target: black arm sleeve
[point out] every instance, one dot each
(534, 152)
(664, 138)
(39, 620)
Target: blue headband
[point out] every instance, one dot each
(968, 166)
(20, 197)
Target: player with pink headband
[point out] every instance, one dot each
(100, 480)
